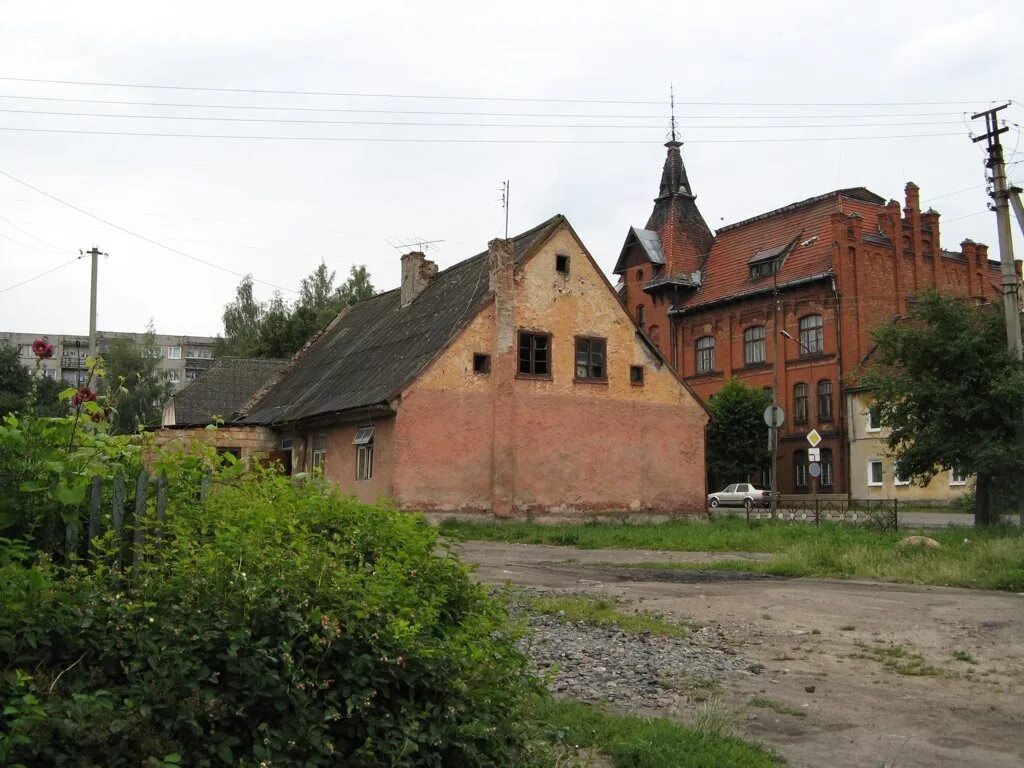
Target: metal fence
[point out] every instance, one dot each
(876, 513)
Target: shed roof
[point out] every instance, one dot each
(223, 389)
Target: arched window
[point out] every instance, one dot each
(639, 275)
(826, 467)
(640, 315)
(655, 333)
(812, 335)
(753, 345)
(825, 400)
(705, 354)
(800, 404)
(800, 469)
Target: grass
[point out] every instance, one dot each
(896, 658)
(982, 559)
(964, 656)
(634, 742)
(776, 706)
(604, 613)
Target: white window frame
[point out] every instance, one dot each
(867, 420)
(954, 480)
(318, 453)
(364, 453)
(174, 353)
(871, 481)
(174, 376)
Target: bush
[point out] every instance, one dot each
(273, 624)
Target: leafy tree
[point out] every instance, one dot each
(19, 389)
(737, 443)
(132, 373)
(276, 329)
(948, 391)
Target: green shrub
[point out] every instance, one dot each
(272, 625)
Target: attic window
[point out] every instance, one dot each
(764, 269)
(562, 263)
(636, 374)
(481, 363)
(766, 262)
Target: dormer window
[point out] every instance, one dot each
(767, 261)
(764, 269)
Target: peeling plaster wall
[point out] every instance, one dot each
(340, 465)
(576, 447)
(251, 441)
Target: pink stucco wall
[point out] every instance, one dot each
(340, 467)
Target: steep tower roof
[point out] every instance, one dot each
(685, 237)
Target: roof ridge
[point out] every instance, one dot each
(859, 193)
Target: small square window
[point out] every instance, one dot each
(875, 472)
(636, 374)
(562, 264)
(590, 354)
(174, 353)
(481, 363)
(956, 477)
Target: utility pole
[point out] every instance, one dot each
(1001, 194)
(95, 253)
(774, 431)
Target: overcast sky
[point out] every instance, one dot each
(276, 208)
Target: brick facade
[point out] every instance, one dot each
(844, 263)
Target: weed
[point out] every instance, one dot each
(964, 656)
(776, 706)
(896, 658)
(714, 719)
(847, 628)
(602, 612)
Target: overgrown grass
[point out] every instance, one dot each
(776, 706)
(983, 559)
(896, 658)
(634, 742)
(604, 613)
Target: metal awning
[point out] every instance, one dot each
(364, 436)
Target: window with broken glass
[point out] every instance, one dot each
(590, 358)
(534, 354)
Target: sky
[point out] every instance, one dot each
(753, 82)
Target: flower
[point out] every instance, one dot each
(42, 348)
(83, 395)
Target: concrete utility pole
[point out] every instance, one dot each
(95, 253)
(1001, 194)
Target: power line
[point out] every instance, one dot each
(51, 246)
(380, 139)
(353, 110)
(41, 274)
(950, 194)
(355, 94)
(446, 125)
(137, 235)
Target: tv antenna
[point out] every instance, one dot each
(505, 203)
(415, 243)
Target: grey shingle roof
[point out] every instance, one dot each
(223, 389)
(376, 347)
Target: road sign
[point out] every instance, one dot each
(814, 454)
(774, 416)
(814, 469)
(813, 438)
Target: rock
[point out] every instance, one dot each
(920, 541)
(757, 669)
(809, 688)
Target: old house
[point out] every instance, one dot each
(513, 382)
(807, 281)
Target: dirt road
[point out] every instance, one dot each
(856, 674)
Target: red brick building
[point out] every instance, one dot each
(841, 263)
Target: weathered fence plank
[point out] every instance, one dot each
(95, 502)
(161, 507)
(117, 506)
(138, 535)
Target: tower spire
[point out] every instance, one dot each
(672, 107)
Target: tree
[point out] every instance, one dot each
(136, 384)
(20, 390)
(737, 442)
(948, 392)
(275, 329)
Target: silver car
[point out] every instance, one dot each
(739, 495)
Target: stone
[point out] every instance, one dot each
(922, 542)
(809, 688)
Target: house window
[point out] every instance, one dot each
(636, 374)
(590, 358)
(174, 353)
(26, 351)
(639, 275)
(364, 453)
(825, 400)
(705, 354)
(875, 472)
(800, 404)
(50, 373)
(562, 264)
(481, 363)
(800, 468)
(826, 467)
(957, 477)
(319, 454)
(874, 419)
(753, 345)
(640, 315)
(174, 376)
(764, 269)
(286, 444)
(812, 335)
(534, 354)
(236, 452)
(191, 374)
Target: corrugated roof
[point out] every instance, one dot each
(376, 347)
(223, 389)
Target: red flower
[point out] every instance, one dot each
(42, 348)
(84, 395)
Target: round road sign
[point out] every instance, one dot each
(814, 469)
(774, 416)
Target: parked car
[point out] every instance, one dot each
(739, 495)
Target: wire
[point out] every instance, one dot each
(966, 216)
(446, 125)
(141, 237)
(352, 94)
(41, 274)
(959, 191)
(379, 139)
(51, 246)
(463, 113)
(32, 247)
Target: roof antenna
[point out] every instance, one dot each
(672, 107)
(505, 203)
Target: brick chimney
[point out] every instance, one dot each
(912, 196)
(501, 279)
(417, 272)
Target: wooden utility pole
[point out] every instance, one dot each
(1001, 194)
(95, 253)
